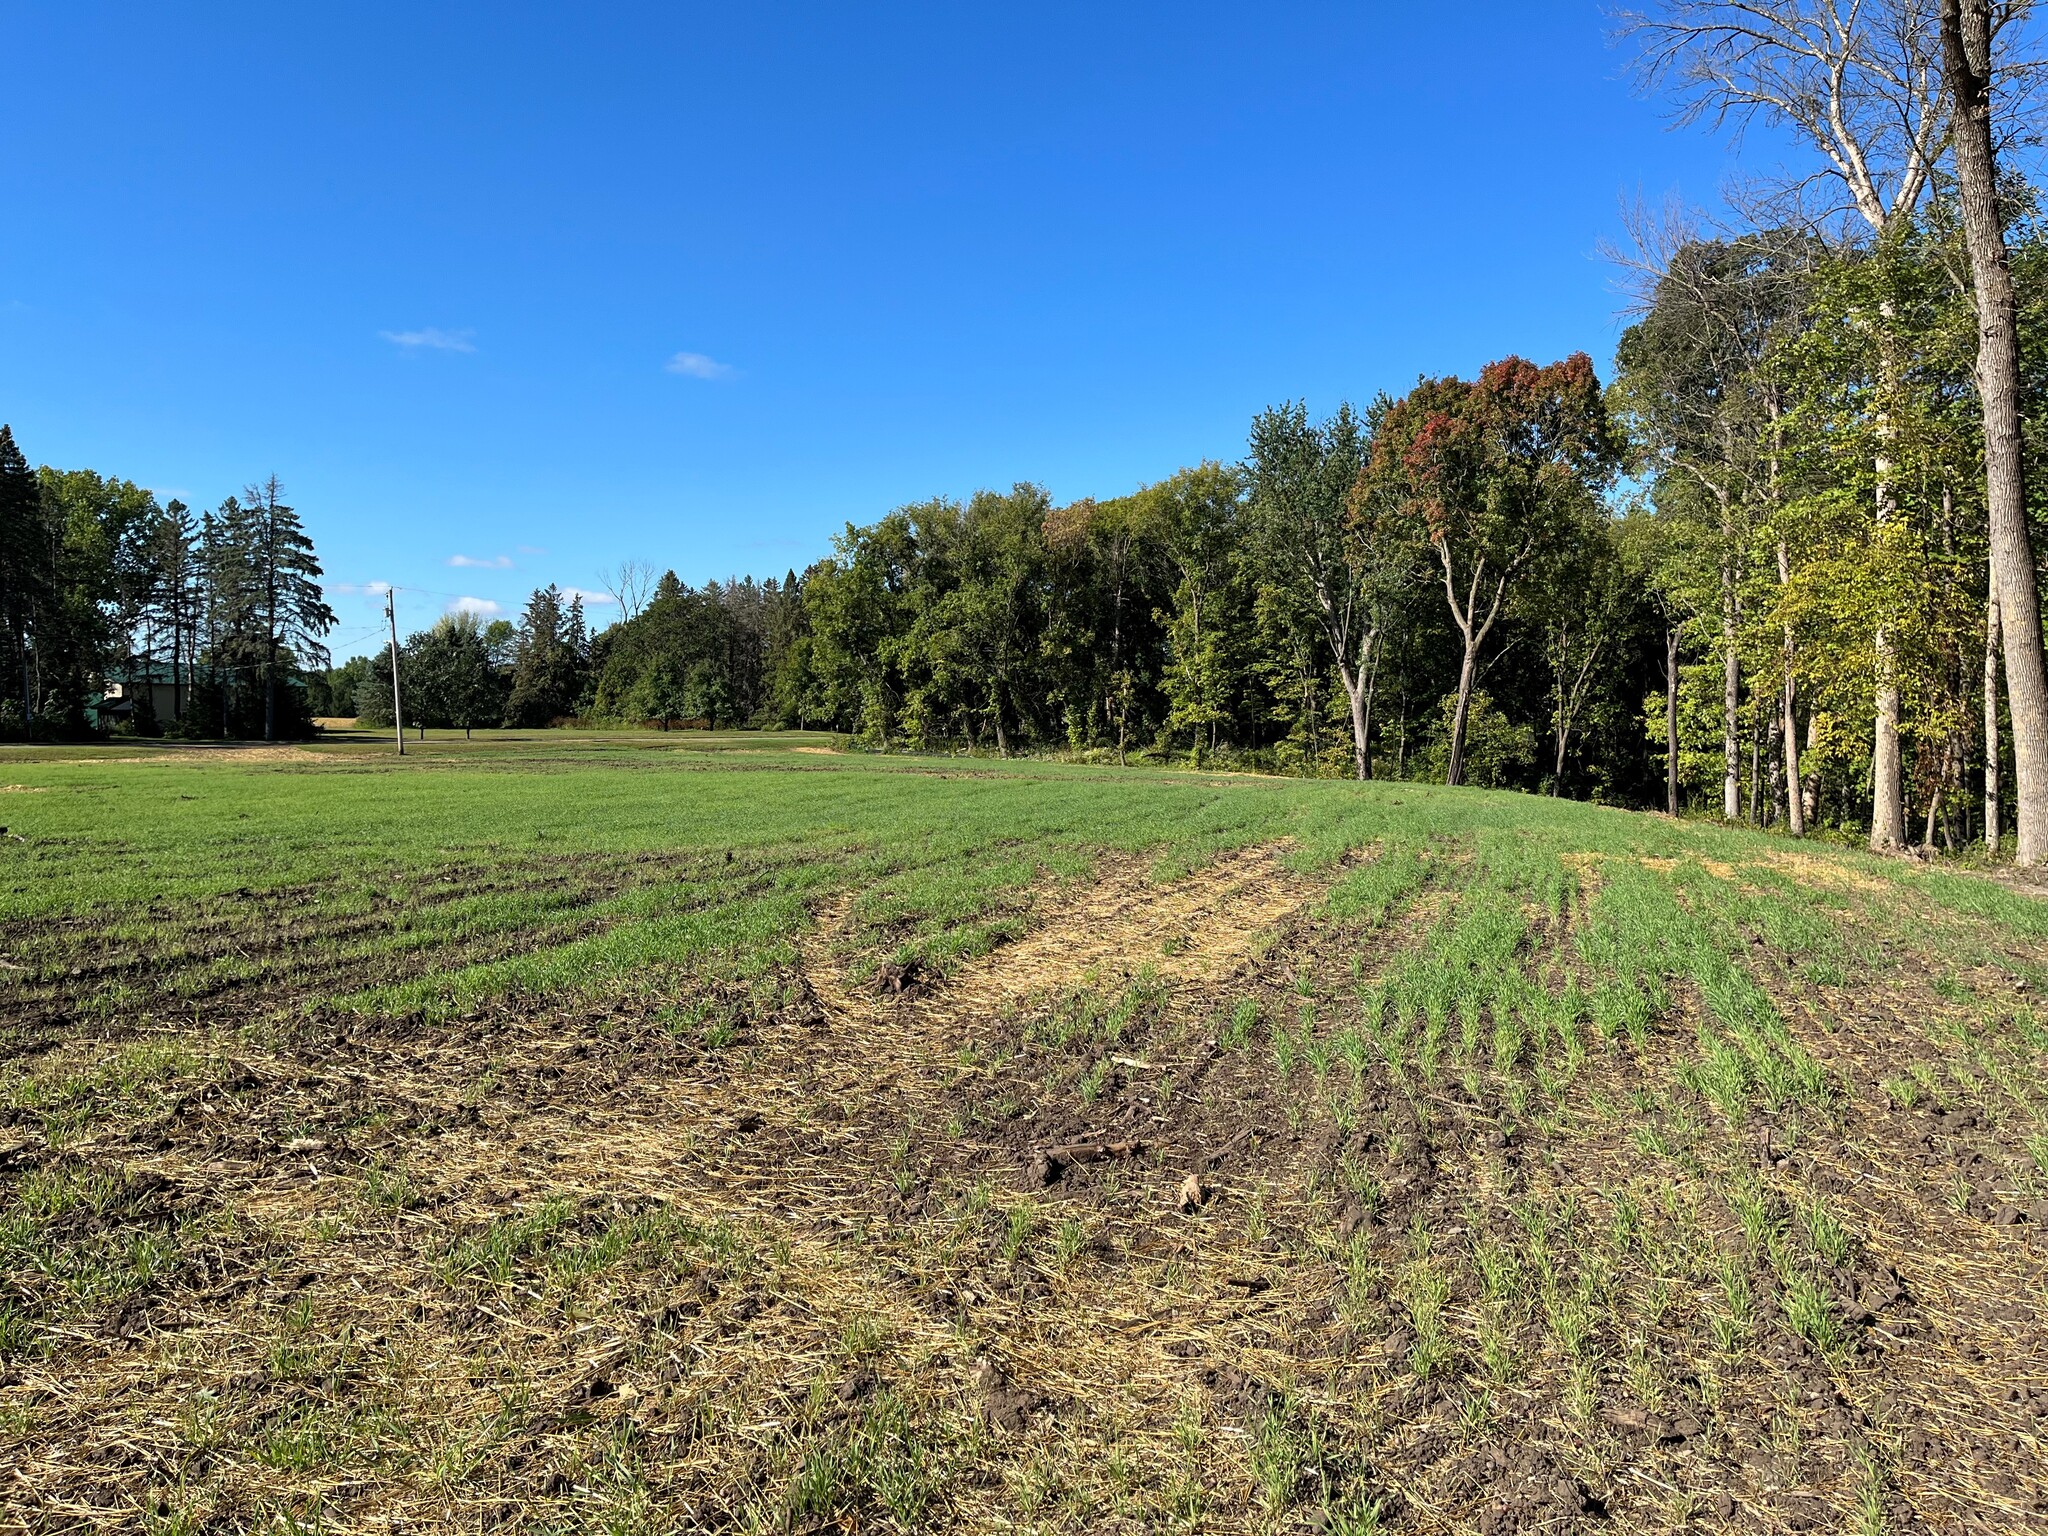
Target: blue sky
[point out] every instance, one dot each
(543, 287)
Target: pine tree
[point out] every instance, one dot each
(284, 574)
(178, 592)
(547, 676)
(27, 563)
(222, 601)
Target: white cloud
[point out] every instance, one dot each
(590, 599)
(695, 365)
(482, 563)
(373, 588)
(433, 338)
(482, 607)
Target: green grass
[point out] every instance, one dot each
(1505, 1081)
(592, 865)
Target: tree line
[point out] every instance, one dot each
(206, 625)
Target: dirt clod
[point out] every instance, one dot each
(1003, 1405)
(1239, 1395)
(856, 1385)
(896, 977)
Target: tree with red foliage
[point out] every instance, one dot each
(1503, 474)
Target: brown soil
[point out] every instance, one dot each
(1214, 1264)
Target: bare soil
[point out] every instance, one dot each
(1057, 1240)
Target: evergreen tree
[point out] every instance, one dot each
(174, 597)
(547, 676)
(28, 560)
(282, 574)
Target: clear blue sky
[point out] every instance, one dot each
(544, 286)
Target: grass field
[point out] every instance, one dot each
(690, 1132)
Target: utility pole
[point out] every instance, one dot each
(391, 613)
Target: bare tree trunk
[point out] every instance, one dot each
(1887, 780)
(1372, 683)
(1336, 629)
(1887, 783)
(1795, 810)
(1887, 786)
(1754, 751)
(1731, 703)
(1773, 785)
(1992, 820)
(1474, 630)
(1466, 672)
(1731, 670)
(1354, 689)
(1966, 48)
(1671, 719)
(1357, 685)
(1788, 734)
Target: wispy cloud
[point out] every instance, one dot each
(530, 549)
(695, 365)
(590, 599)
(359, 588)
(482, 607)
(433, 338)
(482, 562)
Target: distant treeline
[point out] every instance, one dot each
(1244, 613)
(698, 656)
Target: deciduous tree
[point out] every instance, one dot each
(1499, 475)
(1325, 545)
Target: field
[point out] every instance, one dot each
(692, 1132)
